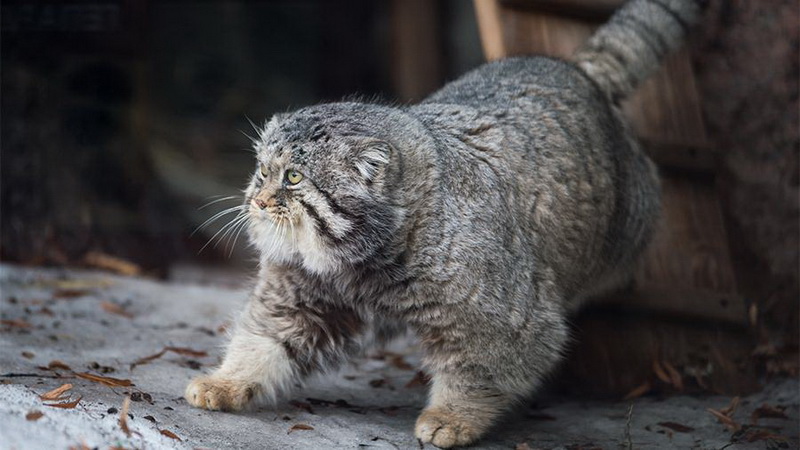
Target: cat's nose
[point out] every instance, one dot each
(264, 203)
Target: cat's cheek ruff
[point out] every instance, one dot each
(317, 257)
(273, 243)
(280, 247)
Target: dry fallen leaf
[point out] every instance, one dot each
(731, 408)
(186, 351)
(70, 293)
(170, 434)
(112, 263)
(680, 428)
(299, 426)
(57, 393)
(638, 391)
(523, 446)
(660, 373)
(108, 381)
(725, 420)
(420, 379)
(56, 364)
(179, 350)
(400, 363)
(15, 323)
(123, 416)
(66, 405)
(79, 283)
(676, 380)
(302, 405)
(34, 415)
(762, 434)
(113, 308)
(765, 410)
(378, 382)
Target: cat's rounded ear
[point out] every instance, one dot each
(272, 123)
(372, 158)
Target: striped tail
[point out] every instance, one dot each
(629, 48)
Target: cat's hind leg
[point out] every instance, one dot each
(459, 412)
(480, 368)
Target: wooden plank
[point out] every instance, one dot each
(591, 9)
(530, 32)
(682, 302)
(615, 351)
(491, 29)
(690, 247)
(416, 59)
(665, 109)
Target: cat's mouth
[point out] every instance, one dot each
(277, 214)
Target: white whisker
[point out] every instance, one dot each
(252, 139)
(217, 216)
(242, 226)
(255, 128)
(231, 230)
(229, 227)
(230, 197)
(217, 234)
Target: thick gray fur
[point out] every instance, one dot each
(478, 218)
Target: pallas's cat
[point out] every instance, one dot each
(478, 219)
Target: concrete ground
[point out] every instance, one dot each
(89, 329)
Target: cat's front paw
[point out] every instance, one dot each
(445, 428)
(216, 393)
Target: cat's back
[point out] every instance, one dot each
(499, 85)
(539, 137)
(541, 109)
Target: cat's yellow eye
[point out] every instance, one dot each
(263, 170)
(293, 176)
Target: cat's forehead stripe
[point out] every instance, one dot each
(295, 152)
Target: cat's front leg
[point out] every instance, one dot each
(275, 345)
(254, 367)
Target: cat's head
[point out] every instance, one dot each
(321, 192)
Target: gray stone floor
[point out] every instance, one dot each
(100, 324)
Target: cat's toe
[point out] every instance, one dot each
(446, 429)
(209, 392)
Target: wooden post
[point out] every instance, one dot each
(416, 50)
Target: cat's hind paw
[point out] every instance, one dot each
(220, 394)
(446, 429)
